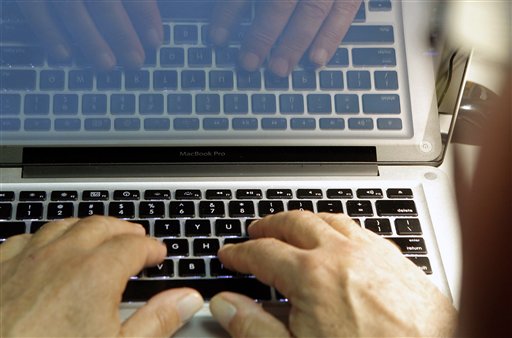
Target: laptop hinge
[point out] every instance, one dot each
(205, 170)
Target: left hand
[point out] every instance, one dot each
(291, 27)
(67, 279)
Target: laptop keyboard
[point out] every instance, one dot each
(195, 90)
(195, 223)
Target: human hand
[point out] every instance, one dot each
(67, 280)
(340, 280)
(290, 27)
(107, 32)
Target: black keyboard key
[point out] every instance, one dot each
(221, 79)
(193, 80)
(60, 210)
(151, 210)
(6, 196)
(80, 79)
(185, 34)
(319, 104)
(151, 104)
(68, 195)
(17, 79)
(211, 209)
(408, 226)
(176, 247)
(167, 228)
(150, 57)
(359, 208)
(188, 194)
(263, 104)
(291, 104)
(396, 208)
(300, 205)
(10, 104)
(380, 226)
(95, 195)
(339, 59)
(423, 263)
(164, 269)
(206, 246)
(121, 209)
(236, 104)
(157, 194)
(18, 32)
(29, 211)
(198, 227)
(331, 80)
(144, 223)
(269, 207)
(182, 209)
(309, 193)
(218, 269)
(9, 229)
(219, 194)
(86, 209)
(369, 193)
(235, 240)
(241, 209)
(226, 56)
(65, 104)
(199, 57)
(109, 80)
(304, 80)
(136, 79)
(142, 290)
(207, 104)
(339, 193)
(399, 193)
(30, 196)
(172, 57)
(191, 268)
(94, 104)
(36, 225)
(167, 34)
(51, 80)
(410, 245)
(21, 56)
(179, 104)
(272, 81)
(249, 194)
(228, 227)
(165, 79)
(329, 206)
(279, 193)
(126, 195)
(249, 80)
(36, 104)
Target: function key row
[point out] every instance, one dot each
(196, 194)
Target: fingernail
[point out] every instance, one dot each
(107, 60)
(189, 305)
(153, 38)
(320, 57)
(250, 61)
(222, 310)
(279, 66)
(219, 35)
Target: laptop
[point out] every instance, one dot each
(194, 149)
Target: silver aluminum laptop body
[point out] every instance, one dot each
(323, 158)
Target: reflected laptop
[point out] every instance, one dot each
(194, 149)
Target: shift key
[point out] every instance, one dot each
(17, 79)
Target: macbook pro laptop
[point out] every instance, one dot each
(194, 149)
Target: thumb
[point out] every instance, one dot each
(242, 317)
(163, 314)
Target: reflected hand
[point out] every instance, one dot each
(108, 33)
(66, 280)
(291, 27)
(340, 280)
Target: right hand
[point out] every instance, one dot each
(108, 33)
(340, 280)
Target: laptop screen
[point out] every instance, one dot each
(215, 81)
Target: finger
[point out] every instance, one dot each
(302, 229)
(39, 16)
(225, 15)
(145, 16)
(299, 34)
(76, 19)
(115, 25)
(92, 231)
(50, 232)
(163, 314)
(242, 317)
(270, 20)
(124, 256)
(343, 224)
(271, 261)
(13, 246)
(333, 30)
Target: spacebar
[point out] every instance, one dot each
(142, 290)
